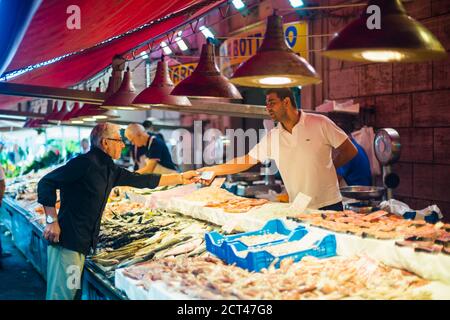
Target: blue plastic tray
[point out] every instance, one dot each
(257, 260)
(229, 248)
(219, 245)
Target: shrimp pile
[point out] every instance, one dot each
(311, 278)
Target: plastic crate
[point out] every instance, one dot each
(219, 245)
(255, 258)
(260, 259)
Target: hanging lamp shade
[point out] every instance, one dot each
(86, 111)
(206, 81)
(275, 65)
(59, 115)
(54, 112)
(27, 123)
(107, 115)
(91, 113)
(159, 91)
(400, 38)
(35, 123)
(71, 114)
(124, 96)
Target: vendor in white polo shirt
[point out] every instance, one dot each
(301, 146)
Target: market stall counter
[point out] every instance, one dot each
(27, 236)
(152, 246)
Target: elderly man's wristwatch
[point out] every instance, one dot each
(50, 219)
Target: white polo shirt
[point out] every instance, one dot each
(304, 158)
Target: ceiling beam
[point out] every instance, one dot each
(26, 90)
(198, 106)
(220, 108)
(21, 114)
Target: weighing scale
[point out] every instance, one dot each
(387, 148)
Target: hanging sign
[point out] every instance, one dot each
(241, 47)
(180, 72)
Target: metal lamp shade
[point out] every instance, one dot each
(106, 115)
(71, 114)
(53, 114)
(28, 123)
(60, 115)
(159, 91)
(94, 112)
(400, 38)
(275, 65)
(123, 97)
(206, 81)
(35, 123)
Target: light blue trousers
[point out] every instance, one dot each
(64, 271)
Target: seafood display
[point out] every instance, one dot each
(151, 244)
(334, 278)
(237, 205)
(115, 209)
(211, 194)
(128, 237)
(220, 198)
(378, 225)
(430, 242)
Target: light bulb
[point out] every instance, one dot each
(126, 108)
(206, 32)
(166, 49)
(181, 44)
(296, 3)
(382, 56)
(275, 80)
(238, 4)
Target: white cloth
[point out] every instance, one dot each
(304, 157)
(365, 137)
(2, 174)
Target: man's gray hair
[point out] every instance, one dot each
(102, 131)
(134, 129)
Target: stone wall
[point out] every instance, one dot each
(412, 98)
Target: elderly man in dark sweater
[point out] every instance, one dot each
(85, 183)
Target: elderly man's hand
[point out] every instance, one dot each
(190, 177)
(52, 232)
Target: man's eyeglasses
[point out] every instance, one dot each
(118, 140)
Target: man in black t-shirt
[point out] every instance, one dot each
(157, 158)
(148, 126)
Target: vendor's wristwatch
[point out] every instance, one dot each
(50, 219)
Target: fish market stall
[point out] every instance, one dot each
(130, 233)
(152, 246)
(379, 235)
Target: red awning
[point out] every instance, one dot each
(48, 37)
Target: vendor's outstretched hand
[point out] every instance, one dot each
(204, 181)
(190, 177)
